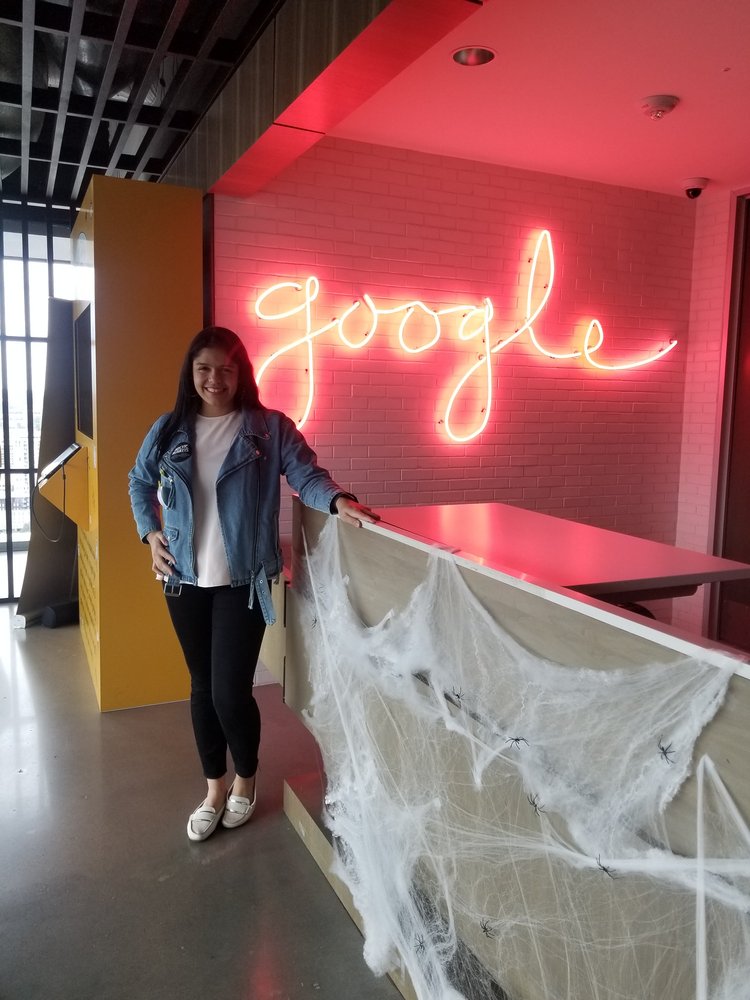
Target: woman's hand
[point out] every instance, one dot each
(162, 561)
(355, 513)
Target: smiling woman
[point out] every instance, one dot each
(215, 377)
(205, 492)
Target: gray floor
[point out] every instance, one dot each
(101, 893)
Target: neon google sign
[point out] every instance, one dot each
(474, 324)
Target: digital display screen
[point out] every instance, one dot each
(84, 384)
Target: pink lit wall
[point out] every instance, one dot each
(562, 437)
(704, 387)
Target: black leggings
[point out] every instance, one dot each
(220, 638)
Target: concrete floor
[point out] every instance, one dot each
(103, 897)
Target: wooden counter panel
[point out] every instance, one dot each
(574, 631)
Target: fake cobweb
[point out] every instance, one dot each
(500, 818)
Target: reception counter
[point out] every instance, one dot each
(602, 912)
(607, 564)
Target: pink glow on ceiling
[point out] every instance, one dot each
(563, 94)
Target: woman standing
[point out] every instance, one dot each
(205, 493)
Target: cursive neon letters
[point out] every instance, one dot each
(474, 324)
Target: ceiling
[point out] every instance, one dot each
(117, 86)
(110, 86)
(563, 94)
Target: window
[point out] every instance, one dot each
(36, 265)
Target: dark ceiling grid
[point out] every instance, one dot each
(211, 43)
(27, 83)
(112, 64)
(110, 86)
(66, 82)
(150, 76)
(199, 64)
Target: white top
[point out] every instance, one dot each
(213, 436)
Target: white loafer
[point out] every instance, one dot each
(238, 809)
(203, 822)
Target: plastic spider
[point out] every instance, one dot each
(605, 868)
(535, 804)
(420, 946)
(516, 741)
(666, 752)
(457, 693)
(487, 929)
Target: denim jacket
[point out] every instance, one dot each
(248, 494)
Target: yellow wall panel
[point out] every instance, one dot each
(145, 244)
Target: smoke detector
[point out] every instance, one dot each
(659, 105)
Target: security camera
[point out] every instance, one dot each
(693, 186)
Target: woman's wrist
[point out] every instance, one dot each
(348, 496)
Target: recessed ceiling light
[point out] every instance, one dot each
(658, 105)
(473, 55)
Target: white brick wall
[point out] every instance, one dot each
(563, 438)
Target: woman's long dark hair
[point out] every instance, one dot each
(188, 401)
